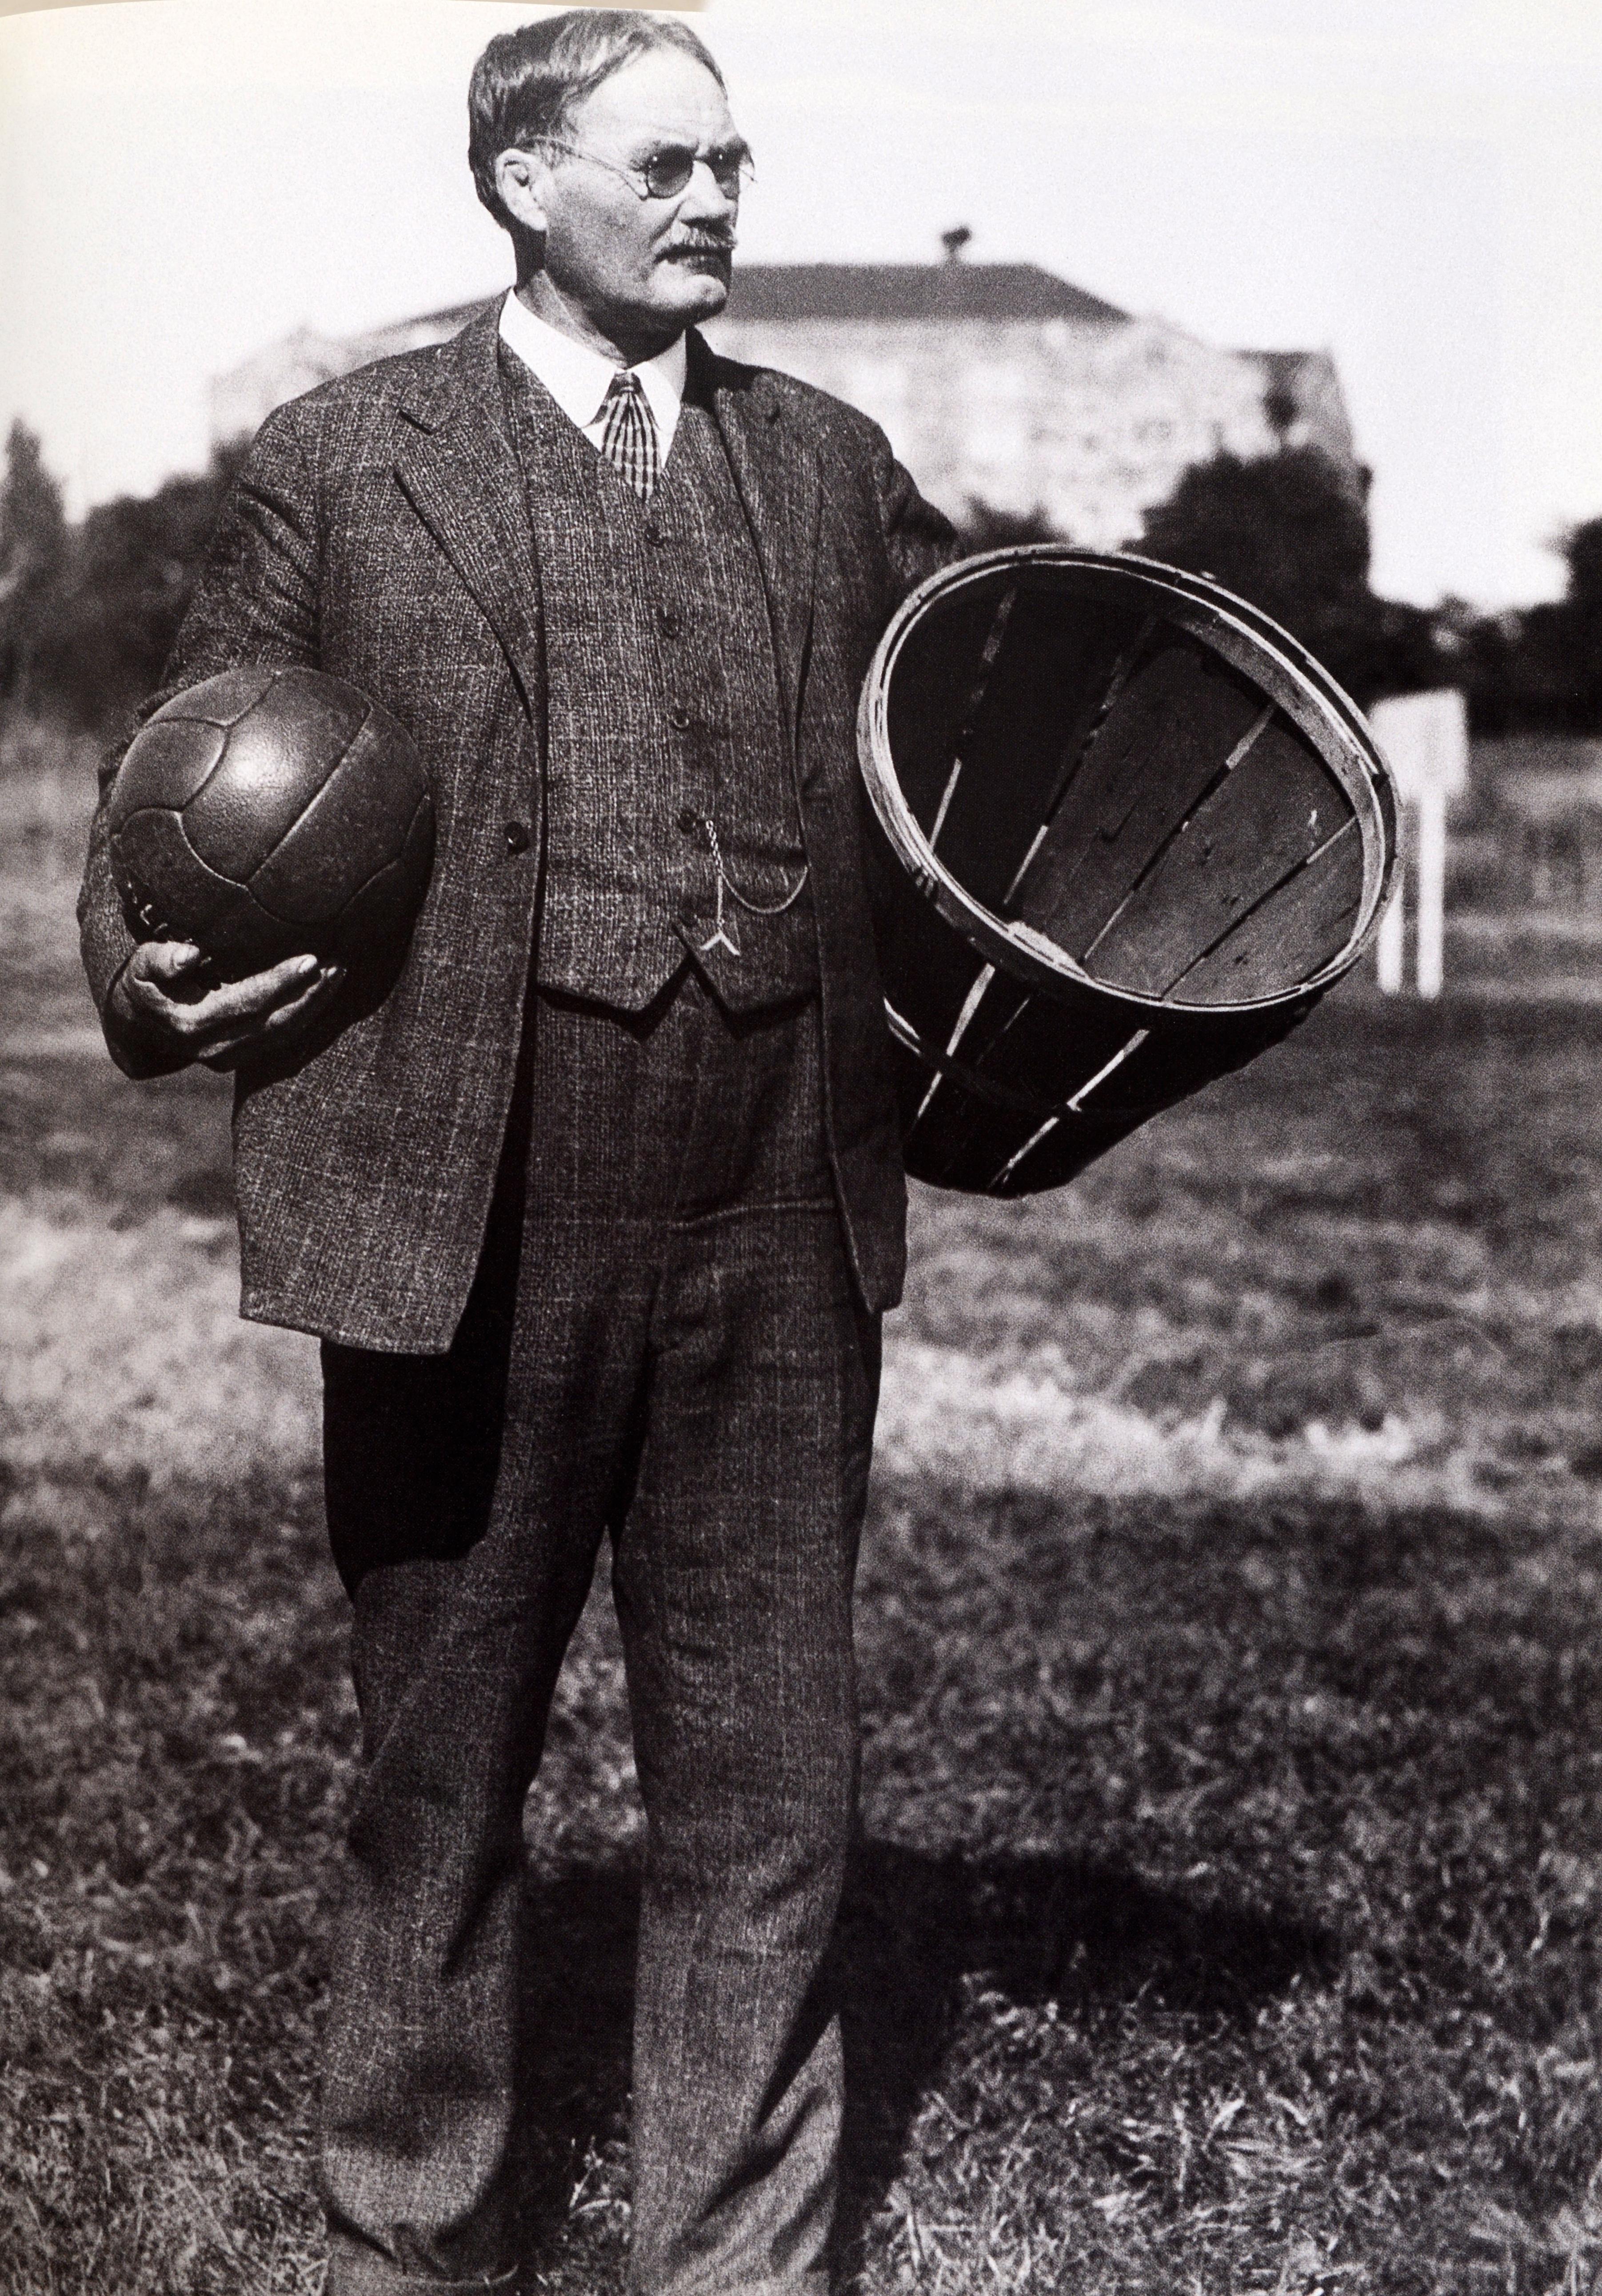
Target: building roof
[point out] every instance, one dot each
(1280, 366)
(911, 291)
(887, 291)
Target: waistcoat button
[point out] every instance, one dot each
(688, 820)
(669, 620)
(517, 836)
(678, 718)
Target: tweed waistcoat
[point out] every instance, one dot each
(666, 762)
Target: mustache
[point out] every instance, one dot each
(701, 242)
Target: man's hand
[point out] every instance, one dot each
(168, 990)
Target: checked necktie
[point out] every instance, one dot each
(628, 433)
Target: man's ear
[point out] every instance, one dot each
(521, 178)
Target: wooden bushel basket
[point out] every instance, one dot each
(1141, 831)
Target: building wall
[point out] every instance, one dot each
(240, 401)
(1090, 425)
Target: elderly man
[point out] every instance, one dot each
(596, 1207)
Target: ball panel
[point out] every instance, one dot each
(353, 827)
(273, 768)
(165, 765)
(246, 940)
(381, 914)
(314, 711)
(220, 701)
(167, 888)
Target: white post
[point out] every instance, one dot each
(1388, 946)
(1425, 737)
(1432, 888)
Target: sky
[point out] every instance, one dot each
(1414, 185)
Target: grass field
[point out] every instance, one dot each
(1227, 1913)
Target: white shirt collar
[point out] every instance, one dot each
(579, 378)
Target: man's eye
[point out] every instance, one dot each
(668, 170)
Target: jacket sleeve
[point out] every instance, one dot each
(918, 539)
(257, 602)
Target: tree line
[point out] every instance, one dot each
(89, 608)
(1286, 531)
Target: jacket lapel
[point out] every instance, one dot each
(775, 472)
(460, 473)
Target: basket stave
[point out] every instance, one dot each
(1139, 832)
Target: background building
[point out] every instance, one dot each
(998, 382)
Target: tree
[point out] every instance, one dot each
(34, 548)
(1538, 670)
(134, 570)
(1579, 628)
(983, 527)
(1288, 531)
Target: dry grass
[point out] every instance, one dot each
(1227, 1913)
(1240, 1904)
(176, 1749)
(1226, 1917)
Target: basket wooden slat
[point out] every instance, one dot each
(1139, 832)
(1246, 843)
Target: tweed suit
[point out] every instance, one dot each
(379, 531)
(582, 1271)
(668, 1325)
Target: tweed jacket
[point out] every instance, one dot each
(379, 530)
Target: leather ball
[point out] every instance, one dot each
(267, 812)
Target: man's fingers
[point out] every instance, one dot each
(166, 961)
(172, 991)
(315, 992)
(256, 996)
(228, 1051)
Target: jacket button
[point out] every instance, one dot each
(688, 820)
(653, 532)
(517, 837)
(669, 620)
(678, 718)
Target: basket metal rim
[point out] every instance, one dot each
(1300, 684)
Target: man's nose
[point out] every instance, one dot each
(705, 197)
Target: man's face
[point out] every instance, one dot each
(641, 269)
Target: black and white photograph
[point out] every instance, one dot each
(800, 1123)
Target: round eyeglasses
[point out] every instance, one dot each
(666, 172)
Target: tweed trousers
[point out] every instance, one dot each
(663, 1345)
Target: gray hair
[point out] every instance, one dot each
(526, 84)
